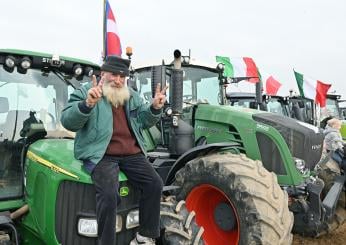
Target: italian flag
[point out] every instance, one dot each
(312, 89)
(239, 67)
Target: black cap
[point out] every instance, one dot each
(117, 65)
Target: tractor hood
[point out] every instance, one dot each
(304, 140)
(57, 154)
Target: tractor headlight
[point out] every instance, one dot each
(132, 219)
(25, 63)
(10, 61)
(88, 226)
(220, 67)
(77, 70)
(89, 71)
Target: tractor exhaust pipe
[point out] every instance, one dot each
(259, 91)
(181, 136)
(176, 91)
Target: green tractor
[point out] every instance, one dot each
(333, 109)
(240, 170)
(45, 195)
(293, 106)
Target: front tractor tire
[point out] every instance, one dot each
(236, 200)
(178, 225)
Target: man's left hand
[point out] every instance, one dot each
(160, 97)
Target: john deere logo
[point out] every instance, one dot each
(124, 191)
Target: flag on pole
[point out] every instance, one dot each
(272, 85)
(112, 45)
(239, 67)
(312, 89)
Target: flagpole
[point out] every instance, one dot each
(104, 30)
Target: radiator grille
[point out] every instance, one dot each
(76, 199)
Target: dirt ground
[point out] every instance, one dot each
(338, 237)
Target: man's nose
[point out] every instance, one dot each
(117, 79)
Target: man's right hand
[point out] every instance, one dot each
(95, 92)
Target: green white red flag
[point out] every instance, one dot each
(312, 88)
(239, 67)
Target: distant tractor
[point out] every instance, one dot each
(293, 106)
(333, 109)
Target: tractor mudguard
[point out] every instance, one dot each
(193, 153)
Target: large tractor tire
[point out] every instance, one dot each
(178, 225)
(236, 200)
(327, 172)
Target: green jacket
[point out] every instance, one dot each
(95, 129)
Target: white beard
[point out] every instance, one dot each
(115, 96)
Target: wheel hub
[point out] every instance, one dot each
(224, 217)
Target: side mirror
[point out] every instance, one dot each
(4, 107)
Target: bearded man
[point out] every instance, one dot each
(108, 117)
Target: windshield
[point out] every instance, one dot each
(277, 107)
(35, 96)
(27, 99)
(199, 85)
(331, 109)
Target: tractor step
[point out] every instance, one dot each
(331, 199)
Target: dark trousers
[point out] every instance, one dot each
(142, 176)
(339, 156)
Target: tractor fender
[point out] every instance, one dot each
(200, 150)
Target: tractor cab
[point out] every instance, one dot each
(303, 109)
(271, 103)
(33, 92)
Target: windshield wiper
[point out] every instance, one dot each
(62, 78)
(4, 84)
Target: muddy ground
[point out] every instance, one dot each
(338, 237)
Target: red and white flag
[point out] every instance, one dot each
(112, 40)
(272, 85)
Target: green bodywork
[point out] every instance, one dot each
(343, 130)
(46, 55)
(213, 122)
(42, 185)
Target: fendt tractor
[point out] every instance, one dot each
(46, 198)
(234, 166)
(297, 107)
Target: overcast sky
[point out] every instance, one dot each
(306, 35)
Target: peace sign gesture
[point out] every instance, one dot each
(160, 97)
(95, 92)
